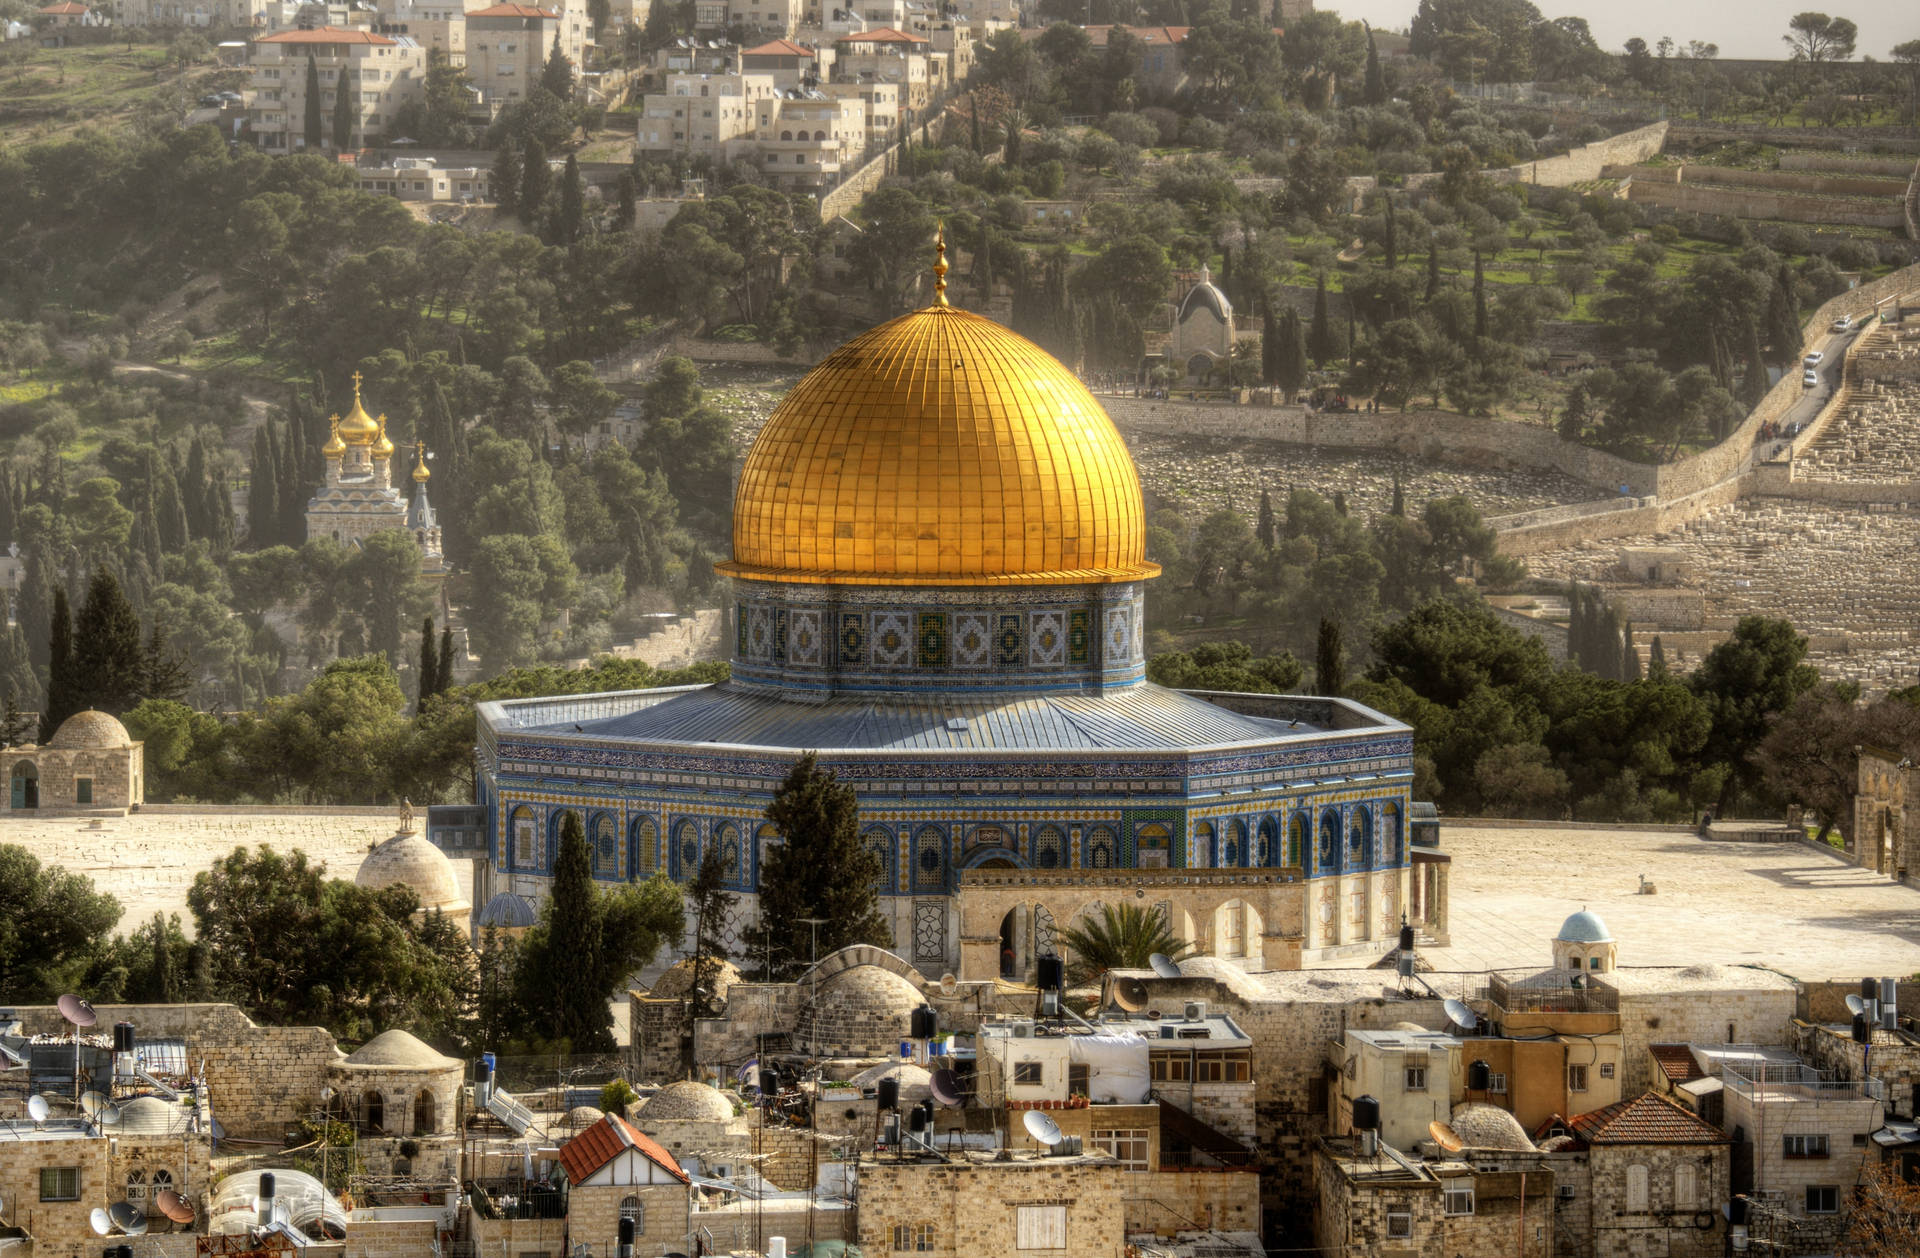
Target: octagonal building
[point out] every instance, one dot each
(938, 576)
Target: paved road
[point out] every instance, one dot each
(1831, 344)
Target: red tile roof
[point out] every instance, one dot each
(606, 1140)
(1646, 1119)
(779, 48)
(1675, 1061)
(516, 10)
(884, 35)
(325, 35)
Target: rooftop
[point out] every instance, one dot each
(1645, 1119)
(328, 35)
(779, 48)
(1675, 1061)
(607, 1139)
(516, 10)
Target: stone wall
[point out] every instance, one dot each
(1883, 139)
(258, 1078)
(972, 1207)
(1900, 166)
(593, 1218)
(1667, 1227)
(1698, 1014)
(1661, 608)
(1772, 205)
(1170, 1201)
(1804, 184)
(1577, 165)
(61, 1229)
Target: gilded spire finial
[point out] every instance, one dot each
(940, 265)
(356, 387)
(420, 472)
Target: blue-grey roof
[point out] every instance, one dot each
(1138, 717)
(507, 911)
(1584, 927)
(1209, 296)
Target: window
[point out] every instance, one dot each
(1028, 1073)
(1577, 1078)
(1498, 1085)
(912, 1237)
(1823, 1199)
(1399, 1225)
(1636, 1189)
(1128, 1146)
(59, 1183)
(1686, 1188)
(1220, 1067)
(1416, 1078)
(1808, 1145)
(83, 790)
(1040, 1227)
(1606, 1070)
(1169, 1069)
(1458, 1196)
(136, 1186)
(523, 838)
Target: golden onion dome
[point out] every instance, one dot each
(939, 449)
(334, 447)
(358, 428)
(420, 472)
(382, 445)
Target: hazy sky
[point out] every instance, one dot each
(1742, 28)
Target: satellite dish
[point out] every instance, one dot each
(92, 1103)
(1460, 1015)
(102, 1222)
(128, 1217)
(37, 1109)
(173, 1205)
(1042, 1128)
(1163, 965)
(1855, 1005)
(1445, 1136)
(1130, 994)
(945, 1086)
(110, 1116)
(77, 1011)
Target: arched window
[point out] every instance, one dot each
(1049, 848)
(1152, 847)
(162, 1178)
(765, 839)
(1099, 850)
(1236, 849)
(1636, 1189)
(1392, 834)
(1297, 838)
(929, 859)
(645, 843)
(632, 1208)
(557, 825)
(423, 1113)
(1360, 837)
(373, 1111)
(786, 135)
(686, 848)
(521, 827)
(1329, 854)
(136, 1185)
(606, 846)
(1200, 847)
(1269, 841)
(728, 837)
(879, 841)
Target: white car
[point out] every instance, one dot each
(1813, 360)
(1843, 323)
(1810, 379)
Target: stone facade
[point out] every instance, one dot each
(979, 1207)
(1385, 1214)
(1886, 835)
(126, 1168)
(660, 1220)
(1659, 1201)
(89, 764)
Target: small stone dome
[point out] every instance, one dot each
(1410, 1026)
(581, 1117)
(916, 1083)
(507, 911)
(409, 860)
(1584, 927)
(860, 1011)
(687, 1101)
(400, 1050)
(678, 980)
(1481, 1126)
(91, 730)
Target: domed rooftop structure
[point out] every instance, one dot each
(677, 981)
(916, 1082)
(91, 730)
(506, 911)
(687, 1101)
(400, 1050)
(152, 1116)
(862, 1011)
(939, 449)
(1204, 296)
(1482, 1126)
(408, 859)
(582, 1116)
(358, 428)
(1584, 927)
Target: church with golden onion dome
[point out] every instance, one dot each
(938, 577)
(359, 497)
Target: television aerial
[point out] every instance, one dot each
(93, 1104)
(1163, 965)
(1041, 1128)
(1445, 1136)
(76, 1010)
(1460, 1014)
(945, 1087)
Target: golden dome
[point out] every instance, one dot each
(334, 447)
(420, 472)
(358, 428)
(939, 449)
(383, 445)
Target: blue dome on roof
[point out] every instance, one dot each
(507, 911)
(1584, 927)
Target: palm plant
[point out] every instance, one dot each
(1121, 938)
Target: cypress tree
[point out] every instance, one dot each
(1269, 343)
(164, 672)
(534, 179)
(1392, 241)
(108, 662)
(346, 113)
(429, 666)
(1376, 81)
(60, 703)
(263, 490)
(1479, 298)
(315, 135)
(578, 1011)
(295, 487)
(7, 508)
(443, 676)
(1329, 660)
(1265, 529)
(573, 199)
(1340, 502)
(1656, 661)
(983, 266)
(505, 181)
(1629, 658)
(822, 870)
(627, 209)
(33, 609)
(1783, 316)
(16, 670)
(1399, 495)
(1433, 269)
(1320, 342)
(557, 75)
(15, 725)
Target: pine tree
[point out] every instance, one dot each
(822, 870)
(1479, 298)
(315, 132)
(429, 666)
(346, 111)
(1783, 330)
(578, 1011)
(557, 75)
(573, 202)
(505, 181)
(1375, 92)
(534, 180)
(15, 725)
(164, 671)
(1329, 660)
(108, 661)
(60, 683)
(712, 906)
(443, 678)
(1264, 530)
(1320, 342)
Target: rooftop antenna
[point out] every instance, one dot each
(1460, 1014)
(173, 1205)
(37, 1109)
(81, 1014)
(1163, 965)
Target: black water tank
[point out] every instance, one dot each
(916, 1119)
(626, 1233)
(1862, 1029)
(1737, 1211)
(123, 1037)
(889, 1093)
(1869, 989)
(924, 1024)
(769, 1081)
(1053, 973)
(1479, 1077)
(1366, 1114)
(482, 1071)
(1406, 939)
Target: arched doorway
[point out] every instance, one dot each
(423, 1113)
(1013, 943)
(373, 1111)
(26, 784)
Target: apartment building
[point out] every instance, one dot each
(881, 102)
(806, 139)
(507, 47)
(433, 24)
(384, 70)
(700, 115)
(775, 19)
(792, 65)
(886, 56)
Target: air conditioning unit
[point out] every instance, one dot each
(1565, 1192)
(1194, 1010)
(1022, 1030)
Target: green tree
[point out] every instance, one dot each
(1321, 342)
(165, 672)
(334, 742)
(557, 75)
(52, 926)
(1329, 660)
(535, 179)
(573, 202)
(63, 686)
(346, 111)
(1290, 355)
(1226, 666)
(894, 250)
(505, 179)
(1745, 682)
(1374, 91)
(429, 668)
(315, 118)
(1124, 937)
(820, 870)
(712, 906)
(1815, 37)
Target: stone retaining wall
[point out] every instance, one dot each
(1884, 139)
(1795, 182)
(1860, 165)
(1577, 165)
(1790, 207)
